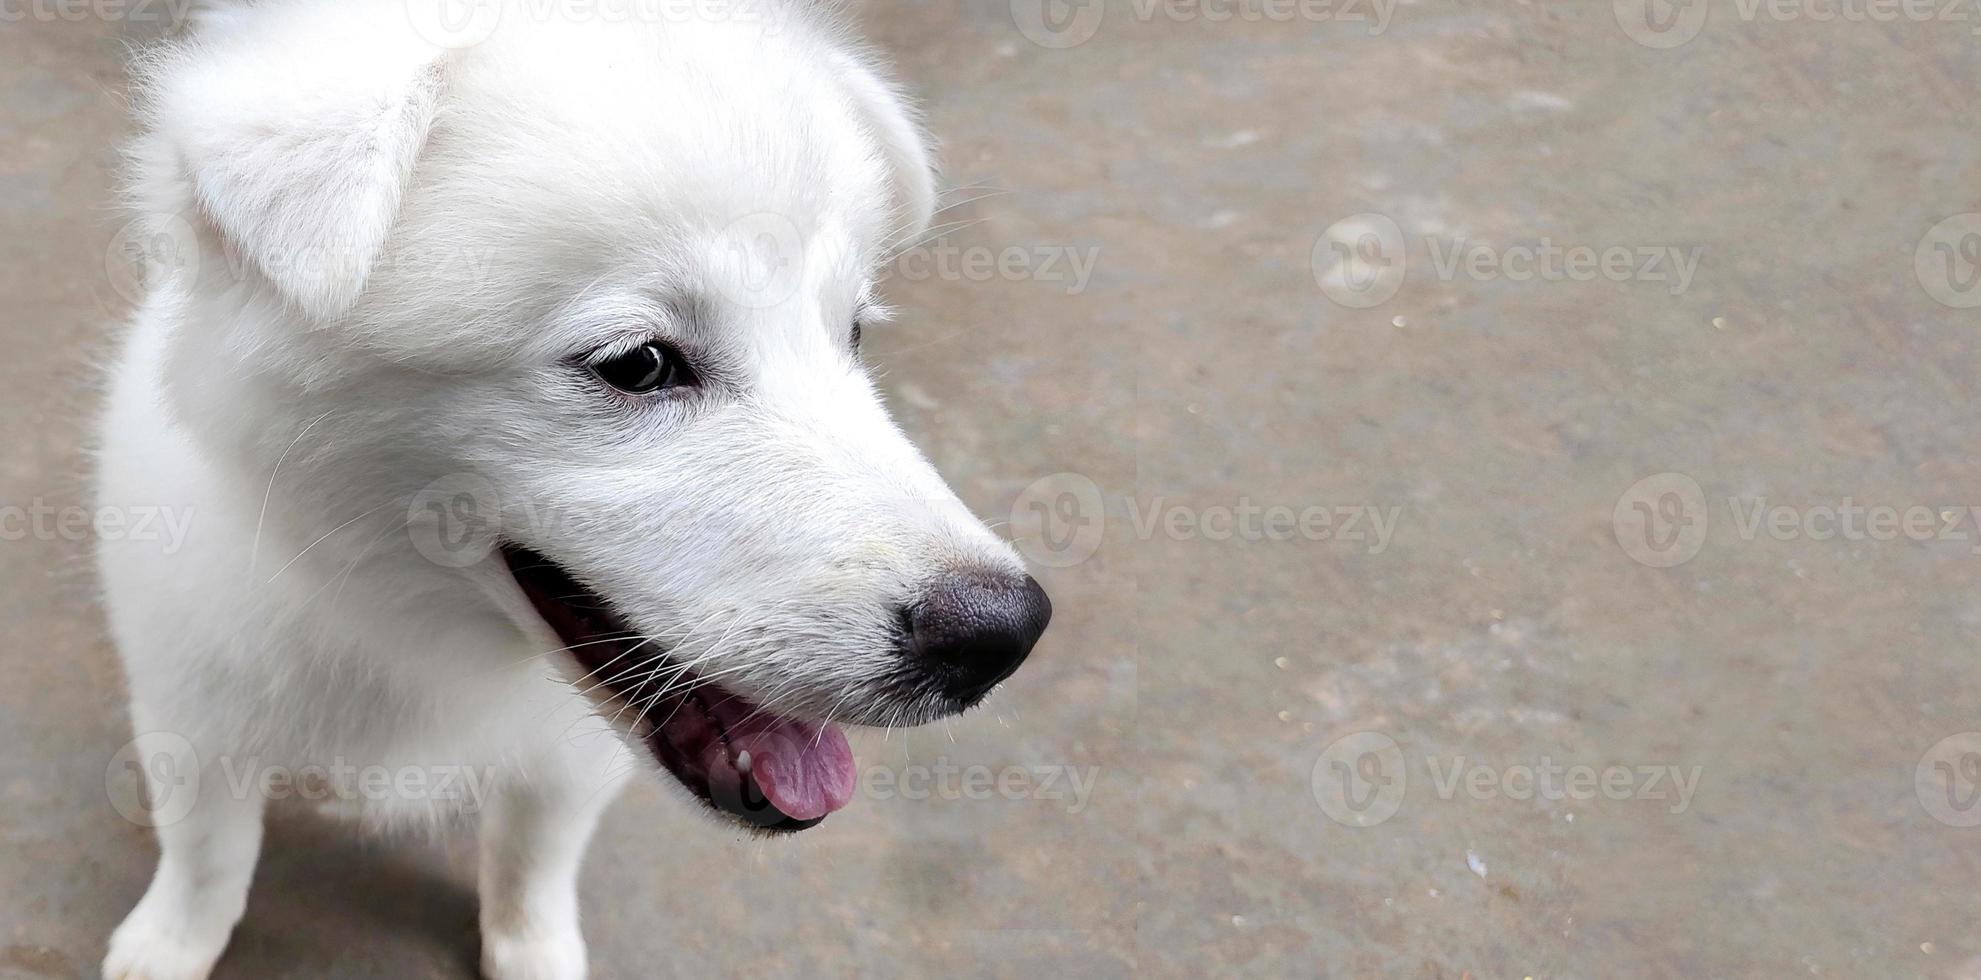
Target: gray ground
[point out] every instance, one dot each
(1822, 352)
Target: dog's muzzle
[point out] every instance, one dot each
(966, 632)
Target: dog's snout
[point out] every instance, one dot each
(975, 629)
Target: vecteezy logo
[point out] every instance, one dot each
(1059, 520)
(454, 24)
(1948, 261)
(148, 251)
(454, 520)
(153, 781)
(1948, 780)
(1359, 779)
(1360, 261)
(1058, 24)
(1661, 23)
(1661, 521)
(758, 260)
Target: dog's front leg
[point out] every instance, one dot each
(206, 861)
(533, 839)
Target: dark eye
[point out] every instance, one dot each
(644, 370)
(856, 336)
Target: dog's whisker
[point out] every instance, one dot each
(318, 541)
(343, 578)
(688, 684)
(967, 188)
(942, 231)
(935, 231)
(943, 207)
(674, 681)
(254, 549)
(989, 193)
(573, 648)
(619, 637)
(609, 682)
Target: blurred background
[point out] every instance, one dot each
(1506, 474)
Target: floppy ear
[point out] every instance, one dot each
(296, 154)
(885, 111)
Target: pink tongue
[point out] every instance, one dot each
(805, 769)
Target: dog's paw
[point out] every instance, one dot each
(145, 949)
(556, 956)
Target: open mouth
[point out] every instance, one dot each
(772, 772)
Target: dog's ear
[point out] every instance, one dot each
(885, 111)
(295, 155)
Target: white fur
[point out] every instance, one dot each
(400, 249)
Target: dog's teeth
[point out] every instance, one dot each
(743, 761)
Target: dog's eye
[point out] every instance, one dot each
(856, 336)
(644, 370)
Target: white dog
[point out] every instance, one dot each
(513, 384)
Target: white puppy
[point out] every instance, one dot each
(514, 390)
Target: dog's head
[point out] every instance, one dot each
(603, 282)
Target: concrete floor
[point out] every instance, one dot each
(1811, 681)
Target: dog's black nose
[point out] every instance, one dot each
(975, 628)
